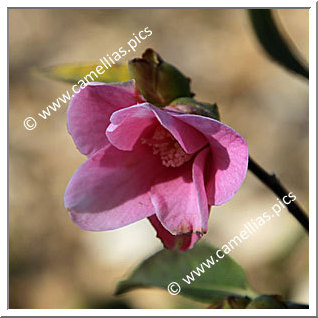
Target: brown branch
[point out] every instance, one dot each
(273, 183)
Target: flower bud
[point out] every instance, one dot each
(159, 82)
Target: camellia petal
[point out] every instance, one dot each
(123, 132)
(90, 109)
(229, 153)
(198, 169)
(177, 203)
(182, 242)
(111, 189)
(189, 138)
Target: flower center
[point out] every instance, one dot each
(165, 145)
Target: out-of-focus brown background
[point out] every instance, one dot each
(53, 264)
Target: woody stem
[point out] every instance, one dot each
(274, 184)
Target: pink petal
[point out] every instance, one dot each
(124, 131)
(229, 157)
(182, 242)
(128, 125)
(111, 189)
(89, 112)
(198, 169)
(181, 201)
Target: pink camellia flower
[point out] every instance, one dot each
(148, 162)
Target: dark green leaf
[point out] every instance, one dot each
(274, 43)
(225, 278)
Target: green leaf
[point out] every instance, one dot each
(190, 106)
(74, 72)
(274, 43)
(225, 278)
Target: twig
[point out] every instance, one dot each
(273, 183)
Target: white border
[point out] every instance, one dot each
(173, 312)
(163, 3)
(312, 158)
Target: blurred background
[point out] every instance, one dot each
(54, 264)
